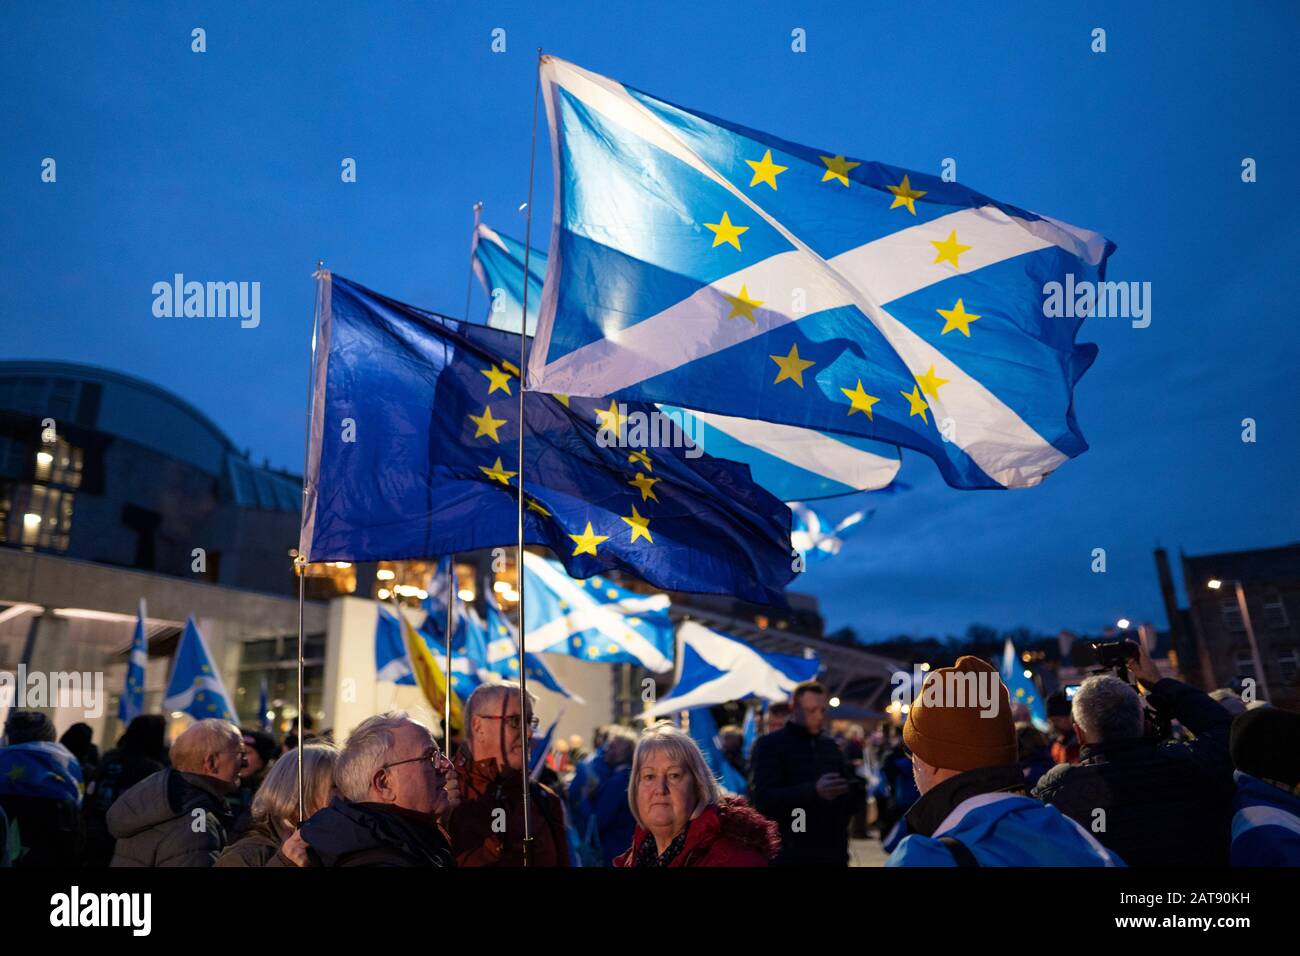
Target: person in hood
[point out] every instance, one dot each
(179, 816)
(974, 808)
(273, 816)
(682, 819)
(1265, 747)
(492, 759)
(141, 751)
(41, 790)
(395, 789)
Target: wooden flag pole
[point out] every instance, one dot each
(525, 730)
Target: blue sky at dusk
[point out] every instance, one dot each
(225, 166)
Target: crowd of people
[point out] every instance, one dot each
(963, 784)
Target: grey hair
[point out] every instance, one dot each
(277, 797)
(1108, 709)
(200, 740)
(488, 696)
(365, 751)
(682, 749)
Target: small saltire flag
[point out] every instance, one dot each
(131, 705)
(468, 648)
(541, 746)
(704, 731)
(499, 264)
(595, 620)
(698, 262)
(817, 538)
(717, 667)
(750, 728)
(503, 653)
(390, 652)
(196, 687)
(1021, 688)
(414, 441)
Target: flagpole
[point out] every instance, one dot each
(525, 730)
(473, 246)
(446, 710)
(300, 562)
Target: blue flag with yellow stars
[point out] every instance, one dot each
(502, 657)
(196, 687)
(414, 444)
(701, 263)
(131, 704)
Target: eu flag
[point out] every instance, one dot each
(414, 450)
(698, 262)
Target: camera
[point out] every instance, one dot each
(1115, 655)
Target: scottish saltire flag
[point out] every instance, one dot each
(436, 602)
(815, 537)
(391, 663)
(750, 728)
(499, 264)
(540, 747)
(1020, 687)
(704, 731)
(697, 262)
(264, 707)
(595, 620)
(503, 653)
(717, 667)
(131, 705)
(468, 648)
(196, 687)
(414, 447)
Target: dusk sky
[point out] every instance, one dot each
(225, 166)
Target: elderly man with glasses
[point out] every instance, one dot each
(395, 789)
(487, 829)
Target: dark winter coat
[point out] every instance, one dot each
(118, 772)
(1165, 804)
(374, 834)
(484, 790)
(729, 833)
(259, 846)
(169, 819)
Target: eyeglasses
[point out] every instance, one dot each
(434, 756)
(241, 754)
(513, 721)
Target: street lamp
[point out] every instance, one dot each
(1123, 623)
(1214, 584)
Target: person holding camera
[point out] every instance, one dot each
(1154, 802)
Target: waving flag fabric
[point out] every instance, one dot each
(697, 262)
(196, 687)
(1022, 688)
(815, 537)
(414, 447)
(499, 264)
(595, 620)
(503, 654)
(131, 705)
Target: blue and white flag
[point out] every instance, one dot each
(541, 746)
(391, 661)
(704, 731)
(697, 262)
(196, 687)
(1021, 687)
(717, 667)
(753, 713)
(131, 705)
(499, 264)
(264, 707)
(595, 620)
(503, 653)
(816, 538)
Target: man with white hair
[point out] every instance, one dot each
(487, 829)
(1154, 803)
(395, 787)
(179, 816)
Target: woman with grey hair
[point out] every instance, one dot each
(682, 818)
(275, 807)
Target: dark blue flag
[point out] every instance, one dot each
(414, 454)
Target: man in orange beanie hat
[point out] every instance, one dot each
(974, 810)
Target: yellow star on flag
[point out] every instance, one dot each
(837, 167)
(791, 366)
(562, 399)
(725, 231)
(487, 425)
(586, 542)
(918, 404)
(765, 171)
(742, 304)
(905, 195)
(641, 458)
(930, 383)
(949, 249)
(534, 506)
(957, 318)
(646, 485)
(609, 418)
(498, 378)
(496, 473)
(640, 526)
(859, 400)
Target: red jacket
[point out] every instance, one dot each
(730, 833)
(484, 789)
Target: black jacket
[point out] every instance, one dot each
(118, 772)
(374, 834)
(1166, 804)
(786, 766)
(157, 822)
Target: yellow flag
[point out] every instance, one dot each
(433, 684)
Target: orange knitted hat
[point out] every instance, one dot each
(953, 731)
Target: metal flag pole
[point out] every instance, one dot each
(473, 247)
(446, 674)
(299, 560)
(525, 731)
